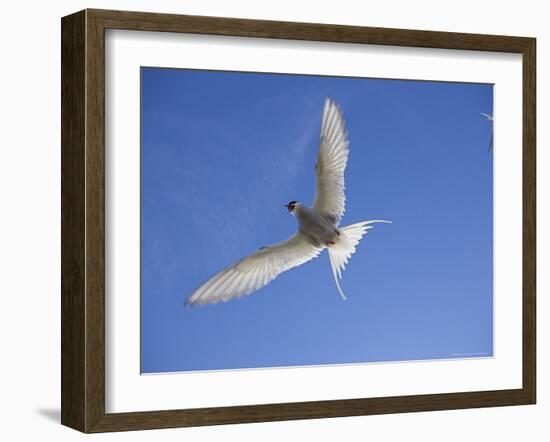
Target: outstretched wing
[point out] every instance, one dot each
(332, 158)
(255, 271)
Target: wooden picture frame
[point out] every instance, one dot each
(83, 220)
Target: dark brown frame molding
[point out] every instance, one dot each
(83, 217)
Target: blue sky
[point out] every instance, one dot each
(222, 152)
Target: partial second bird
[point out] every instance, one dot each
(490, 118)
(318, 226)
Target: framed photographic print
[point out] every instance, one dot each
(269, 220)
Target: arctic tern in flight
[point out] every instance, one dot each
(318, 226)
(490, 118)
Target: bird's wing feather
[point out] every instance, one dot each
(256, 270)
(332, 158)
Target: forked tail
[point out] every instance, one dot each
(340, 253)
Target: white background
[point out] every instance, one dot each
(30, 221)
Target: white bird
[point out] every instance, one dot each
(490, 118)
(317, 226)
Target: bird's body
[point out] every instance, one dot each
(318, 226)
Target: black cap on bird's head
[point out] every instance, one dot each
(291, 206)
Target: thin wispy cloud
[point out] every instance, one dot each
(272, 155)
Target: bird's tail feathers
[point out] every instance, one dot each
(340, 252)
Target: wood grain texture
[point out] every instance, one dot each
(145, 21)
(308, 410)
(95, 221)
(73, 126)
(83, 220)
(529, 221)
